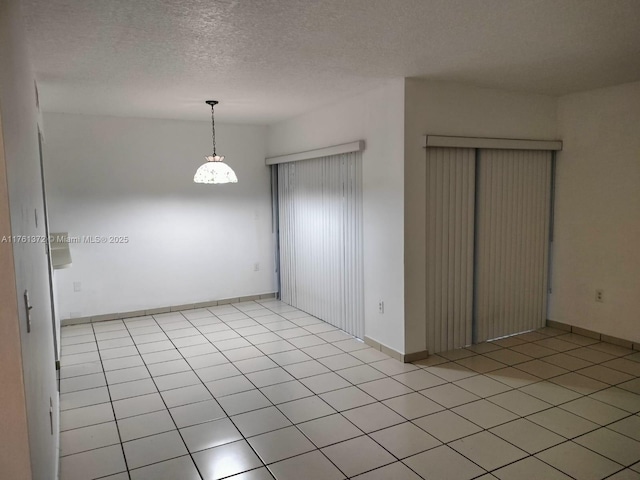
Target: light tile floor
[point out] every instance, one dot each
(260, 390)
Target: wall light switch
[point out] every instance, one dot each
(77, 286)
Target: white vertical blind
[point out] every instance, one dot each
(450, 233)
(512, 241)
(320, 234)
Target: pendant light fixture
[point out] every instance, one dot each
(214, 170)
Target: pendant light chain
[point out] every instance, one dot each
(213, 131)
(214, 170)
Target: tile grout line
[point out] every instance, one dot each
(124, 457)
(364, 434)
(400, 414)
(273, 405)
(244, 438)
(317, 359)
(362, 383)
(178, 429)
(339, 412)
(566, 440)
(168, 412)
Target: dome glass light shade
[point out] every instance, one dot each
(214, 170)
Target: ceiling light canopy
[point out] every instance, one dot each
(214, 170)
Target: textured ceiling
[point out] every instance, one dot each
(267, 60)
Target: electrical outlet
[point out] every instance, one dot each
(599, 296)
(256, 267)
(381, 306)
(77, 286)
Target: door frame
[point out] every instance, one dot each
(45, 209)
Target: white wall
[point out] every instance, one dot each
(188, 242)
(597, 194)
(597, 226)
(27, 376)
(378, 118)
(453, 109)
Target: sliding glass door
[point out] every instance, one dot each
(487, 244)
(320, 238)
